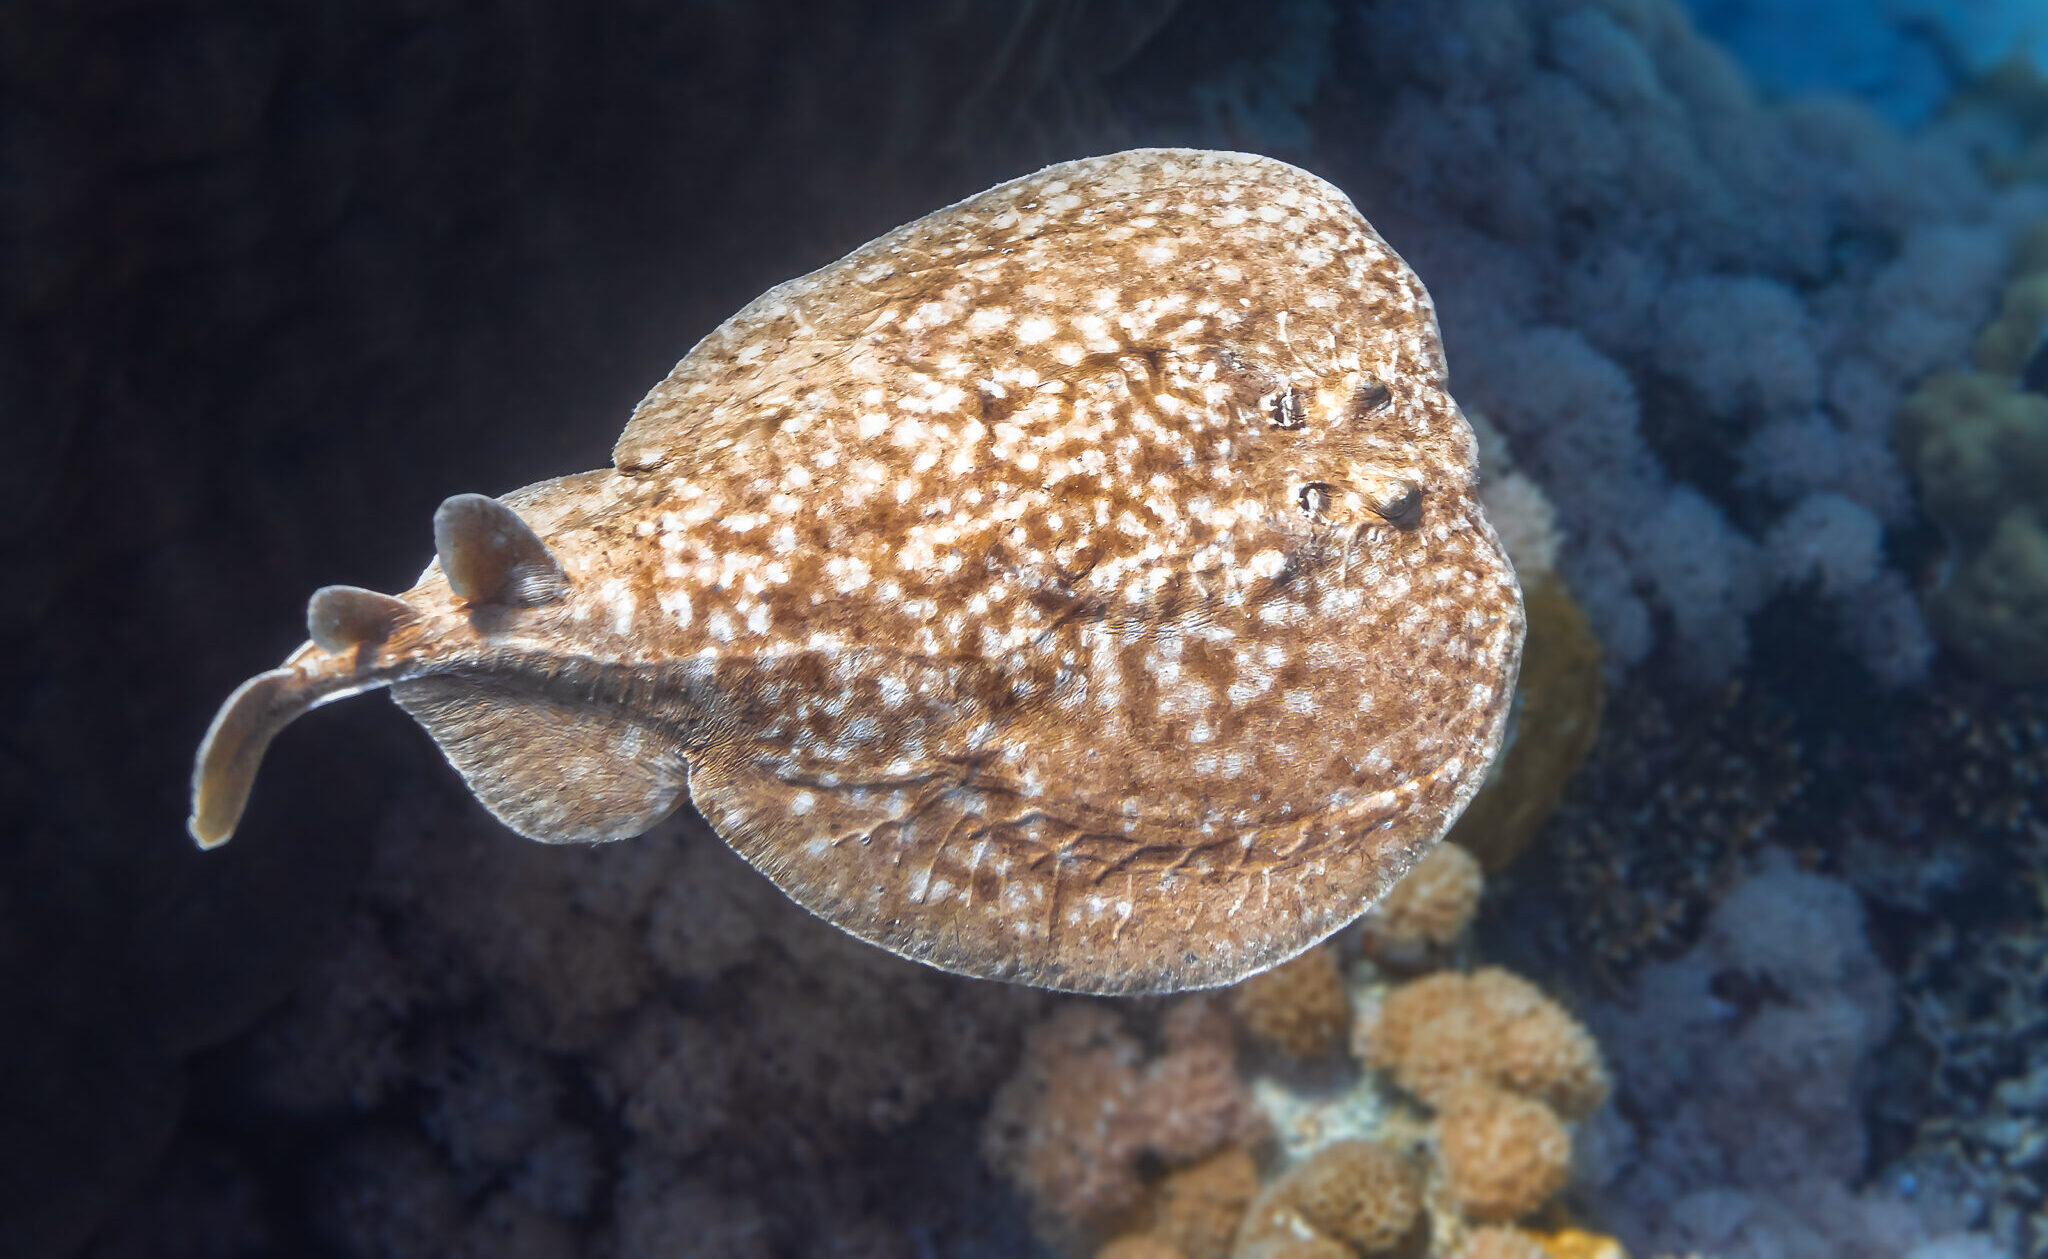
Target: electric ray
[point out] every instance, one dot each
(1082, 585)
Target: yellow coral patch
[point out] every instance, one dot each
(1559, 702)
(1577, 1243)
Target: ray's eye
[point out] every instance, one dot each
(1315, 497)
(1402, 510)
(1371, 396)
(1284, 408)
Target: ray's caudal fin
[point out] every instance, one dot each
(241, 732)
(489, 556)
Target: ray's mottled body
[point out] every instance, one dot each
(1083, 585)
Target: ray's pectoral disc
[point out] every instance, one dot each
(1082, 585)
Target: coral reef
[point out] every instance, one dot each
(1806, 1002)
(1503, 1067)
(1108, 1132)
(1298, 1248)
(1928, 804)
(623, 1049)
(1089, 1106)
(2011, 340)
(1577, 1243)
(1641, 284)
(1196, 1209)
(1713, 779)
(1302, 1007)
(1559, 703)
(1503, 1155)
(1447, 1031)
(1741, 1066)
(1139, 1246)
(1905, 56)
(1560, 692)
(1358, 1194)
(1977, 443)
(1142, 1126)
(1428, 909)
(2002, 117)
(1958, 1108)
(1496, 1242)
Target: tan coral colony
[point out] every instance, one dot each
(1082, 585)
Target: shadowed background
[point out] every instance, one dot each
(279, 278)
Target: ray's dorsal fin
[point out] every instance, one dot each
(340, 618)
(491, 556)
(551, 769)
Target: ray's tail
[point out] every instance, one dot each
(341, 619)
(490, 558)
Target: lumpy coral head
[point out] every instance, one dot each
(1300, 1007)
(1081, 585)
(1447, 1030)
(1979, 445)
(1503, 1155)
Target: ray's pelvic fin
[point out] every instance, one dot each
(550, 767)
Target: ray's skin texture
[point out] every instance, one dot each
(1082, 585)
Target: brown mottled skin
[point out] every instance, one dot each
(1082, 585)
